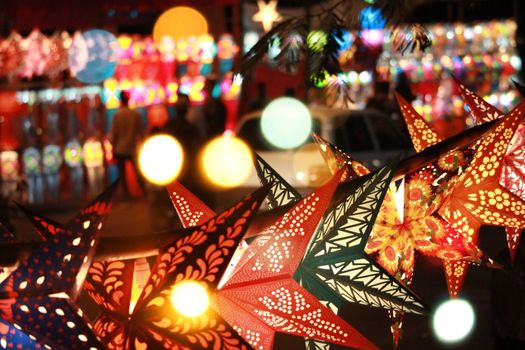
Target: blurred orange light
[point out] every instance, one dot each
(180, 22)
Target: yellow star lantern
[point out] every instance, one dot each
(267, 14)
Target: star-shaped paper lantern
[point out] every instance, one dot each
(337, 159)
(512, 175)
(477, 197)
(395, 293)
(281, 192)
(261, 297)
(421, 134)
(38, 297)
(198, 259)
(267, 14)
(336, 266)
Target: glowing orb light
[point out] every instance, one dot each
(227, 161)
(316, 40)
(160, 159)
(250, 39)
(190, 298)
(453, 320)
(286, 122)
(93, 56)
(180, 22)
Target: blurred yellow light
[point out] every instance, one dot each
(190, 298)
(227, 161)
(160, 159)
(180, 22)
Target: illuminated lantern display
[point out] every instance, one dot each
(171, 92)
(273, 257)
(52, 161)
(226, 51)
(513, 169)
(182, 275)
(32, 162)
(93, 155)
(180, 22)
(93, 56)
(193, 87)
(230, 87)
(73, 154)
(267, 14)
(371, 18)
(111, 94)
(316, 40)
(207, 50)
(36, 54)
(329, 248)
(9, 165)
(73, 159)
(38, 298)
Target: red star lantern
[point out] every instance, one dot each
(477, 197)
(512, 175)
(261, 297)
(199, 258)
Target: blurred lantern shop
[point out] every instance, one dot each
(61, 91)
(54, 141)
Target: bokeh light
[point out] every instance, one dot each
(286, 122)
(250, 39)
(160, 159)
(180, 22)
(316, 40)
(93, 56)
(453, 320)
(190, 298)
(309, 166)
(227, 161)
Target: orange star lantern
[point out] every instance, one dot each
(512, 176)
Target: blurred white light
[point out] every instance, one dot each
(250, 39)
(453, 320)
(365, 77)
(286, 122)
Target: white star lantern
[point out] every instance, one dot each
(267, 14)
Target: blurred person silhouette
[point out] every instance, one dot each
(261, 100)
(126, 135)
(188, 136)
(403, 87)
(508, 300)
(214, 111)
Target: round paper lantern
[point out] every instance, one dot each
(92, 56)
(286, 122)
(73, 154)
(453, 320)
(160, 159)
(180, 22)
(227, 161)
(51, 159)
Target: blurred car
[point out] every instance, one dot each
(367, 135)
